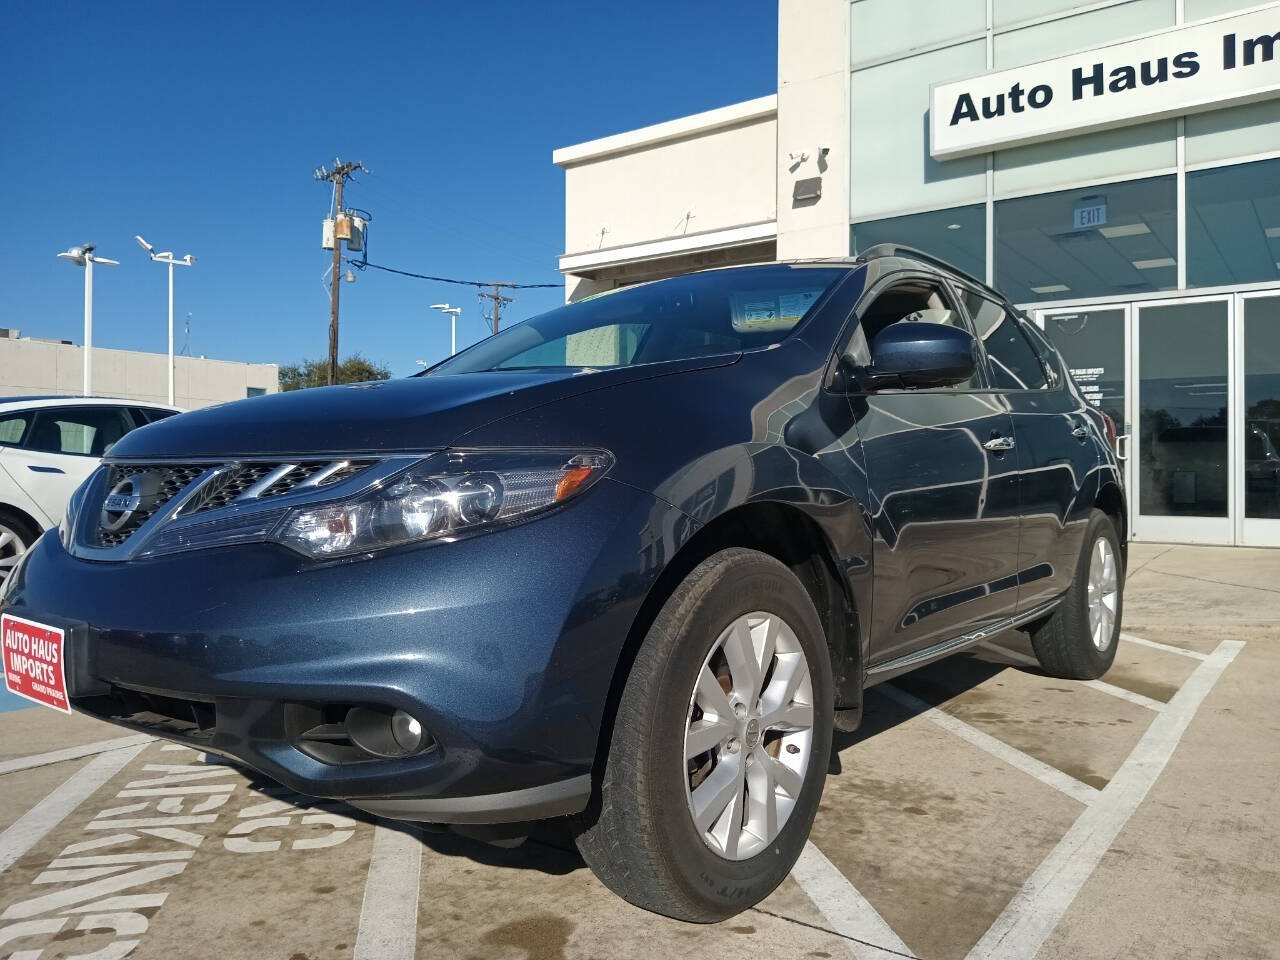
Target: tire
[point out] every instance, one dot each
(639, 835)
(16, 538)
(1068, 643)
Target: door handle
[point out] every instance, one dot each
(1080, 431)
(1122, 444)
(999, 444)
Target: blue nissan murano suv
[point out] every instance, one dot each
(628, 562)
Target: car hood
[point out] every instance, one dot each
(387, 416)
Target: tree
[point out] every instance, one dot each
(315, 373)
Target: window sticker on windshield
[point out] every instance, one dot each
(755, 313)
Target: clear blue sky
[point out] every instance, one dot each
(199, 127)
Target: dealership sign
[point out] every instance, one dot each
(1206, 66)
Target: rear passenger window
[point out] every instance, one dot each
(12, 428)
(1014, 365)
(85, 431)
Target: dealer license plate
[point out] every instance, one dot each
(34, 665)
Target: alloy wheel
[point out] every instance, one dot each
(1104, 593)
(11, 550)
(748, 735)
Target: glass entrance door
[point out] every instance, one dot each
(1258, 422)
(1181, 476)
(1193, 386)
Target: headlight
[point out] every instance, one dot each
(445, 497)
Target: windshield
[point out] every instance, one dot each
(721, 311)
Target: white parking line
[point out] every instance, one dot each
(1033, 913)
(27, 831)
(71, 753)
(1111, 689)
(1051, 776)
(848, 911)
(1166, 647)
(388, 927)
(1100, 685)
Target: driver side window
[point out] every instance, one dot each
(915, 301)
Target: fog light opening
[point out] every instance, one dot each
(387, 733)
(407, 732)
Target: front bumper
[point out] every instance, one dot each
(503, 646)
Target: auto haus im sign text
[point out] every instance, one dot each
(1101, 79)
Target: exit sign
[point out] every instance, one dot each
(1094, 215)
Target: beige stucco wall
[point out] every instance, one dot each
(723, 178)
(37, 367)
(813, 94)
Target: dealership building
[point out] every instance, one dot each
(1112, 166)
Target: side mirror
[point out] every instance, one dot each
(921, 354)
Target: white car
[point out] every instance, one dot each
(48, 445)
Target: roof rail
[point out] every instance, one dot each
(900, 250)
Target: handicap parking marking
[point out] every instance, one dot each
(31, 827)
(70, 753)
(165, 831)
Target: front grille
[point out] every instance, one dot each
(227, 484)
(225, 487)
(172, 479)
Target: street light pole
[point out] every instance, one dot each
(453, 324)
(88, 326)
(171, 378)
(167, 258)
(83, 256)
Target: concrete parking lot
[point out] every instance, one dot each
(983, 810)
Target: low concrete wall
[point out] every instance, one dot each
(39, 367)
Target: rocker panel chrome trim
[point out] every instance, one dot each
(956, 644)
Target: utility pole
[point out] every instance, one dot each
(337, 176)
(498, 300)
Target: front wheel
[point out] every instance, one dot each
(720, 747)
(1078, 640)
(16, 538)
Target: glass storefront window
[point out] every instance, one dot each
(958, 235)
(1262, 407)
(1233, 224)
(1113, 240)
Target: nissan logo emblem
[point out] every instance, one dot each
(125, 497)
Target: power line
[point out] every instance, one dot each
(360, 265)
(486, 289)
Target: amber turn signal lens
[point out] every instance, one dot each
(573, 478)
